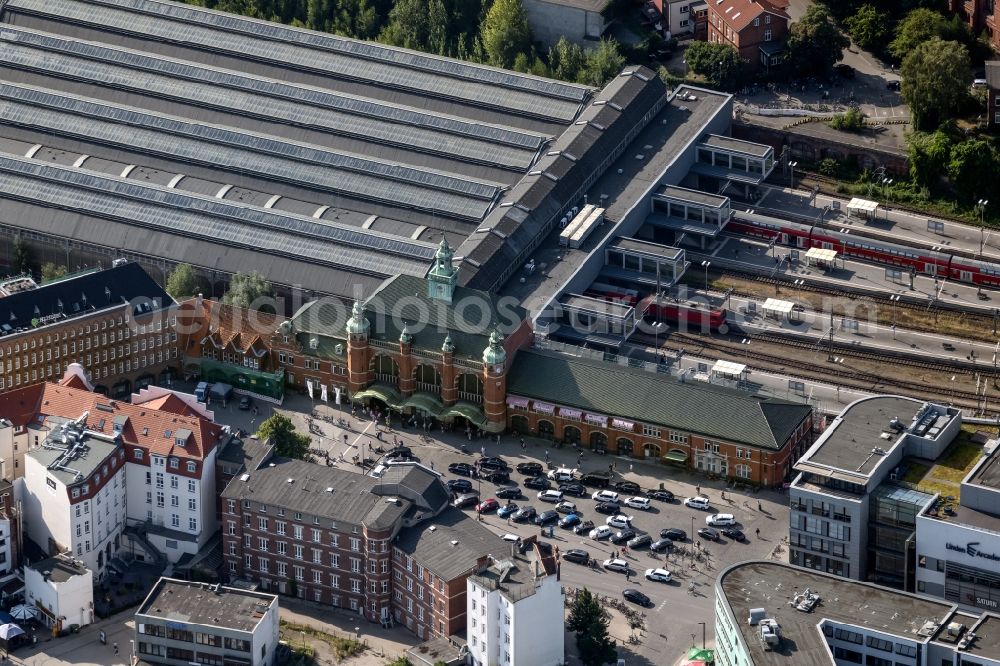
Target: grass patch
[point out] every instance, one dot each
(342, 647)
(945, 476)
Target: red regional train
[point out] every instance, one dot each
(607, 292)
(925, 261)
(695, 316)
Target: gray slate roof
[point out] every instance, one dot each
(693, 407)
(450, 544)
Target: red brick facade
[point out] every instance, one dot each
(746, 25)
(981, 16)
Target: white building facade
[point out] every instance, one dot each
(62, 589)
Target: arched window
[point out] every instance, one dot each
(385, 368)
(743, 471)
(470, 387)
(427, 378)
(625, 446)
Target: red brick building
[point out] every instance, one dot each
(993, 93)
(982, 16)
(755, 28)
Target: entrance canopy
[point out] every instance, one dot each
(467, 411)
(426, 402)
(777, 308)
(819, 255)
(729, 370)
(387, 394)
(862, 207)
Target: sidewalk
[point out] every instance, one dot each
(85, 648)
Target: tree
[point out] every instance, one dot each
(603, 64)
(22, 258)
(247, 289)
(566, 60)
(51, 271)
(973, 167)
(590, 623)
(505, 33)
(719, 63)
(868, 26)
(851, 120)
(814, 42)
(182, 282)
(935, 81)
(917, 27)
(929, 155)
(279, 429)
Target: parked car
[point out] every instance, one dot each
(658, 575)
(662, 546)
(566, 507)
(562, 474)
(525, 513)
(574, 489)
(892, 85)
(709, 533)
(569, 521)
(623, 535)
(605, 496)
(673, 533)
(508, 509)
(616, 564)
(508, 492)
(584, 527)
(640, 541)
(529, 468)
(702, 503)
(640, 503)
(608, 508)
(601, 532)
(734, 534)
(550, 496)
(246, 402)
(538, 483)
(620, 521)
(468, 499)
(464, 469)
(492, 464)
(497, 476)
(487, 505)
(596, 479)
(662, 495)
(720, 520)
(546, 517)
(577, 555)
(628, 487)
(636, 597)
(459, 485)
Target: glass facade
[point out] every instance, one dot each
(892, 523)
(972, 586)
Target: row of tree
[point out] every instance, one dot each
(494, 32)
(970, 164)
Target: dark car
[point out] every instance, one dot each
(463, 501)
(662, 495)
(636, 597)
(673, 533)
(524, 514)
(246, 402)
(577, 555)
(844, 71)
(497, 476)
(662, 546)
(494, 464)
(529, 468)
(734, 534)
(630, 487)
(569, 521)
(574, 489)
(621, 536)
(401, 451)
(892, 85)
(709, 533)
(465, 469)
(640, 541)
(538, 483)
(508, 492)
(547, 517)
(596, 479)
(459, 485)
(584, 527)
(609, 508)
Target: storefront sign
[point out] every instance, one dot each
(544, 408)
(597, 419)
(568, 413)
(972, 550)
(621, 424)
(513, 401)
(989, 603)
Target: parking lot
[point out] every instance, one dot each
(672, 621)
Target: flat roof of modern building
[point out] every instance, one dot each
(965, 515)
(772, 585)
(93, 451)
(597, 306)
(988, 474)
(188, 602)
(849, 443)
(59, 568)
(648, 248)
(729, 144)
(987, 641)
(692, 196)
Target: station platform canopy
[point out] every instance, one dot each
(862, 207)
(774, 307)
(729, 369)
(819, 255)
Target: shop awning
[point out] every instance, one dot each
(466, 410)
(676, 456)
(387, 394)
(622, 424)
(543, 407)
(597, 419)
(426, 402)
(568, 413)
(514, 401)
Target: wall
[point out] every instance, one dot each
(550, 21)
(73, 599)
(536, 618)
(47, 512)
(855, 548)
(933, 537)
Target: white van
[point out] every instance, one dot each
(378, 472)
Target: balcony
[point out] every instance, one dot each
(474, 398)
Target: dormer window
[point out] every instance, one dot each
(174, 463)
(192, 466)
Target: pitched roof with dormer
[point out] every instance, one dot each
(738, 14)
(227, 327)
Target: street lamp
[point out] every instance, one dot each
(692, 539)
(657, 325)
(981, 205)
(702, 635)
(886, 182)
(791, 174)
(894, 299)
(705, 265)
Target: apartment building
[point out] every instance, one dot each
(755, 28)
(61, 588)
(993, 93)
(388, 549)
(111, 321)
(182, 622)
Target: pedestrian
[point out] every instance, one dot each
(759, 507)
(758, 532)
(432, 465)
(628, 575)
(697, 489)
(116, 649)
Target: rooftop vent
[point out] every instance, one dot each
(245, 477)
(291, 480)
(454, 542)
(432, 528)
(329, 490)
(956, 628)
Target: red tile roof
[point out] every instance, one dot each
(227, 325)
(738, 14)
